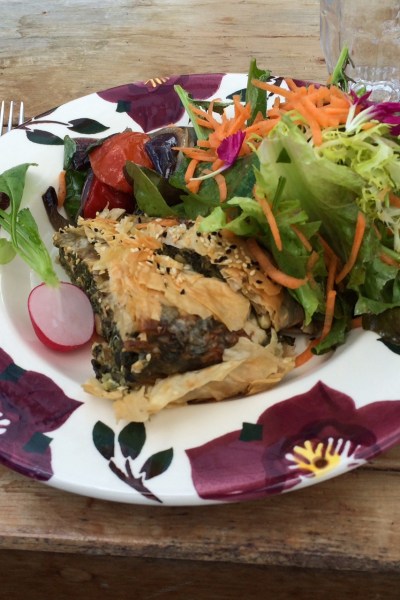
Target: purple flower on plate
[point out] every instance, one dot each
(31, 405)
(154, 104)
(311, 435)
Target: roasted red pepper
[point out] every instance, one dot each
(109, 159)
(101, 196)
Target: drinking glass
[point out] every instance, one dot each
(371, 31)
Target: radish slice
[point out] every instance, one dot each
(62, 317)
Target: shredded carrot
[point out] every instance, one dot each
(356, 322)
(357, 241)
(198, 154)
(332, 261)
(329, 252)
(206, 150)
(62, 189)
(221, 183)
(389, 260)
(394, 200)
(377, 232)
(320, 107)
(217, 164)
(205, 123)
(329, 313)
(267, 210)
(193, 186)
(204, 143)
(302, 238)
(206, 115)
(273, 89)
(307, 354)
(366, 126)
(270, 270)
(191, 170)
(262, 128)
(291, 84)
(332, 269)
(312, 261)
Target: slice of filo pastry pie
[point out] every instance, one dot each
(181, 315)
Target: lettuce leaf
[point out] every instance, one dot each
(254, 95)
(19, 223)
(293, 258)
(326, 191)
(320, 192)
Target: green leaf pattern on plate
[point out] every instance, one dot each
(131, 440)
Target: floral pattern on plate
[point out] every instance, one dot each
(31, 406)
(154, 103)
(130, 441)
(307, 437)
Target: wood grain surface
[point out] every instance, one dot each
(51, 52)
(64, 577)
(337, 540)
(340, 539)
(348, 523)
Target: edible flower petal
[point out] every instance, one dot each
(383, 112)
(229, 149)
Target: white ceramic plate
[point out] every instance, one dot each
(324, 419)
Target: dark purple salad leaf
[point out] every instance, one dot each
(384, 112)
(50, 203)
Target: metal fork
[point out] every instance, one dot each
(7, 123)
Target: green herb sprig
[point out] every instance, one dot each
(24, 234)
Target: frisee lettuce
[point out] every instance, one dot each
(375, 158)
(332, 191)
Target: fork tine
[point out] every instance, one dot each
(21, 113)
(10, 116)
(1, 117)
(7, 127)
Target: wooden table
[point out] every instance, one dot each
(336, 540)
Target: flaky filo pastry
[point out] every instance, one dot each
(183, 315)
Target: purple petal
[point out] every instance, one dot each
(256, 461)
(384, 112)
(154, 106)
(362, 101)
(229, 149)
(31, 405)
(389, 113)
